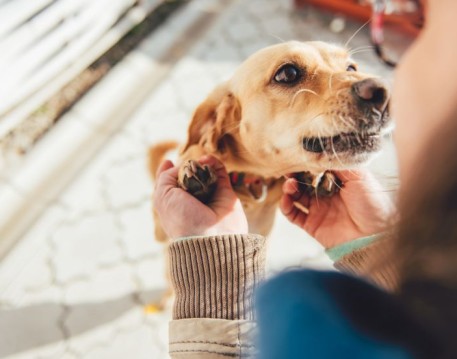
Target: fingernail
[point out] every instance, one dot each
(301, 207)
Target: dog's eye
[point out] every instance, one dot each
(351, 68)
(288, 74)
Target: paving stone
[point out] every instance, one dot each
(192, 92)
(95, 306)
(190, 68)
(92, 262)
(138, 232)
(172, 126)
(82, 246)
(56, 350)
(30, 330)
(102, 286)
(243, 31)
(128, 182)
(133, 318)
(152, 275)
(86, 193)
(138, 343)
(35, 273)
(159, 324)
(99, 336)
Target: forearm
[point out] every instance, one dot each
(214, 279)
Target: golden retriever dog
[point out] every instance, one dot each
(295, 107)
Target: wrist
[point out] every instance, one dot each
(338, 251)
(215, 276)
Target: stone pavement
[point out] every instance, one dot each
(76, 284)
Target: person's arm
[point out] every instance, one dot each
(214, 267)
(214, 278)
(344, 224)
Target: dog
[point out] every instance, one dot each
(294, 107)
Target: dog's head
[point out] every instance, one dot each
(293, 107)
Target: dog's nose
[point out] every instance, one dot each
(370, 91)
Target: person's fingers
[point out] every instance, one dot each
(165, 165)
(291, 188)
(352, 175)
(167, 178)
(293, 212)
(286, 205)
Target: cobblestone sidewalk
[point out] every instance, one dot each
(76, 285)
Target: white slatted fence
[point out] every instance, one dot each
(44, 44)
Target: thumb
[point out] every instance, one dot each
(167, 175)
(165, 165)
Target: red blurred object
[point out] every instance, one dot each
(407, 23)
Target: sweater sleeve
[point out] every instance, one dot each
(367, 258)
(214, 278)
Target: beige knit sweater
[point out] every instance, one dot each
(214, 277)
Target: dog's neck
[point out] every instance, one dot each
(256, 186)
(237, 158)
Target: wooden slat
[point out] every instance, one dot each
(23, 37)
(20, 69)
(74, 58)
(14, 13)
(63, 59)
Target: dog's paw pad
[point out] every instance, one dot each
(199, 180)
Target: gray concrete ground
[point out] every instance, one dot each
(76, 284)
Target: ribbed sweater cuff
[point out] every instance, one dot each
(372, 262)
(215, 276)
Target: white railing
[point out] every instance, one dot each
(44, 44)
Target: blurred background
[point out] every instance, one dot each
(86, 88)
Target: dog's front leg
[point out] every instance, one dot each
(199, 180)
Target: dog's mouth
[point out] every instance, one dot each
(355, 142)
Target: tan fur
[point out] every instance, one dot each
(256, 126)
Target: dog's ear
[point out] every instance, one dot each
(214, 120)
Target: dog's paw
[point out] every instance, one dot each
(199, 180)
(328, 185)
(325, 184)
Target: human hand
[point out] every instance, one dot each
(360, 208)
(182, 215)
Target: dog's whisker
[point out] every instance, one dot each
(377, 112)
(330, 81)
(360, 49)
(320, 141)
(299, 92)
(332, 145)
(276, 37)
(345, 122)
(336, 184)
(339, 92)
(355, 33)
(359, 139)
(333, 148)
